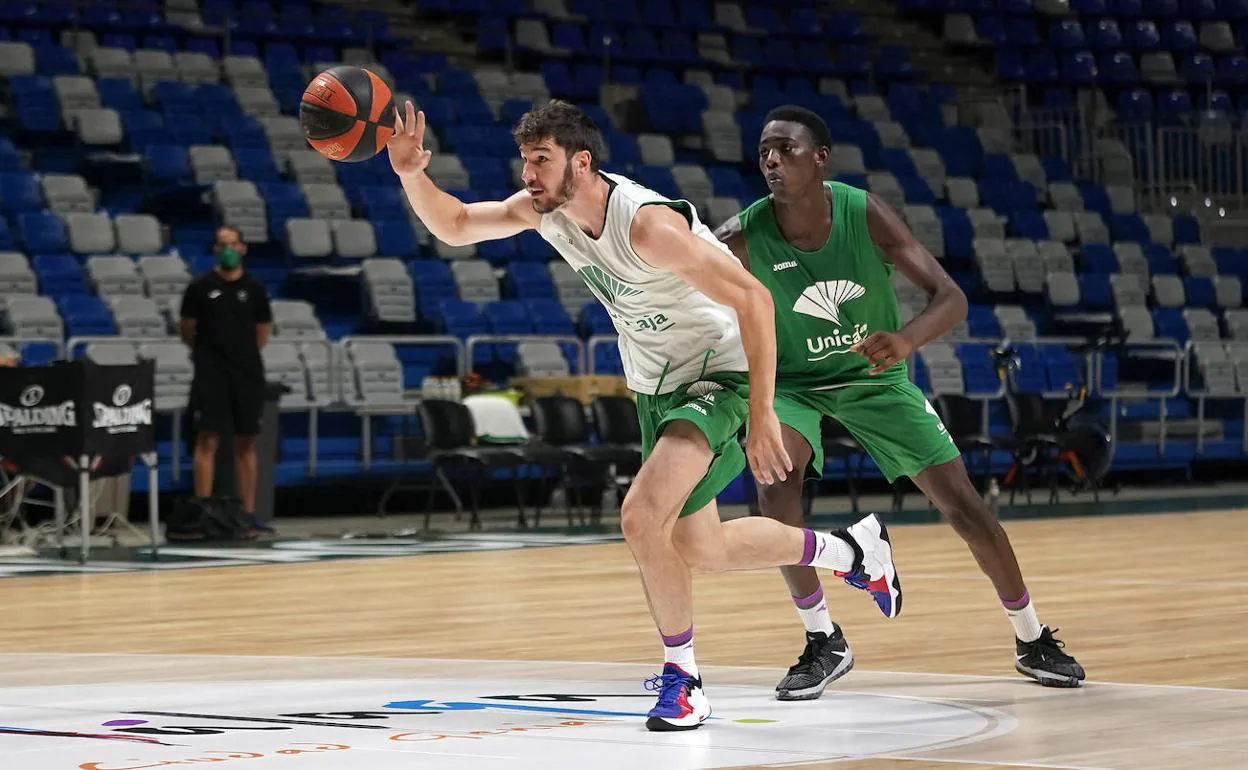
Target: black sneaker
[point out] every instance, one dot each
(825, 659)
(1045, 661)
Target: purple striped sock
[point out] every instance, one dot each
(806, 602)
(1018, 604)
(679, 640)
(808, 553)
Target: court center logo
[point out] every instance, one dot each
(823, 300)
(532, 722)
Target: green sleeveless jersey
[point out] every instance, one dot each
(826, 300)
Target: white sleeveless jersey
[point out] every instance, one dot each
(669, 332)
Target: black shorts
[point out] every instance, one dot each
(223, 403)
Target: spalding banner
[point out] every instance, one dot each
(50, 415)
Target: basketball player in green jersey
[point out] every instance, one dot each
(826, 251)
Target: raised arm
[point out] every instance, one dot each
(662, 238)
(946, 306)
(449, 219)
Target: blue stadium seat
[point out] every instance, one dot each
(19, 193)
(507, 316)
(42, 232)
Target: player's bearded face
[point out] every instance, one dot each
(549, 176)
(554, 199)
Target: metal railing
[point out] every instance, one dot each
(504, 339)
(366, 410)
(1165, 350)
(1199, 166)
(1205, 393)
(593, 343)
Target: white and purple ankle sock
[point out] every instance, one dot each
(1022, 615)
(813, 610)
(826, 550)
(678, 649)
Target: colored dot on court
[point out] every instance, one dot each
(125, 722)
(755, 721)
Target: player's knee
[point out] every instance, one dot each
(244, 444)
(971, 518)
(782, 501)
(638, 520)
(206, 442)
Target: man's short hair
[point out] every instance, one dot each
(813, 123)
(566, 124)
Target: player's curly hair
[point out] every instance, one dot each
(814, 124)
(566, 124)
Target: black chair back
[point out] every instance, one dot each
(617, 421)
(1030, 415)
(560, 420)
(446, 424)
(962, 416)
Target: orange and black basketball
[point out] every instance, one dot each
(347, 114)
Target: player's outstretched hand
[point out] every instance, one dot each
(764, 448)
(883, 349)
(407, 147)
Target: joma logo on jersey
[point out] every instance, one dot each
(823, 300)
(783, 265)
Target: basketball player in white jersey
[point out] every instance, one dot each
(692, 322)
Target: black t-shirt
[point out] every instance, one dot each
(226, 314)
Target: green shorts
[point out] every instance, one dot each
(895, 423)
(718, 406)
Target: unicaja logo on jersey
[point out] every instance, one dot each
(608, 288)
(823, 300)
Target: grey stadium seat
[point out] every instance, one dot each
(316, 359)
(75, 92)
(138, 234)
(309, 238)
(67, 193)
(16, 59)
(541, 359)
(354, 238)
(99, 127)
(282, 364)
(326, 201)
(174, 373)
(114, 276)
(112, 353)
(16, 275)
(390, 289)
(378, 374)
(1228, 289)
(296, 319)
(1063, 289)
(137, 317)
(90, 233)
(29, 316)
(212, 163)
(475, 281)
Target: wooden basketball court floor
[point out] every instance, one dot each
(535, 658)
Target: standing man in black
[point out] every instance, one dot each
(226, 321)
